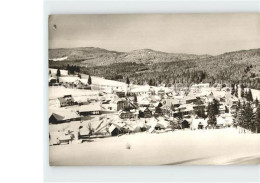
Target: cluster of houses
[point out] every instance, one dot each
(118, 108)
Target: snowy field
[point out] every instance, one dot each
(201, 147)
(59, 91)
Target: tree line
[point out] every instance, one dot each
(247, 115)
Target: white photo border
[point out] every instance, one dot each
(141, 173)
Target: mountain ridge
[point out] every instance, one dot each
(94, 56)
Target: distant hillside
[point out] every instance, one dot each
(89, 56)
(154, 67)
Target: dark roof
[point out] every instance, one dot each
(57, 117)
(61, 100)
(67, 96)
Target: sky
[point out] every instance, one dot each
(174, 33)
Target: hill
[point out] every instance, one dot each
(154, 67)
(90, 56)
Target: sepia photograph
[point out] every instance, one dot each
(154, 89)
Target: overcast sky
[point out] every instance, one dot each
(177, 33)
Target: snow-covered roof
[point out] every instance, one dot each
(90, 107)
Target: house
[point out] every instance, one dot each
(66, 100)
(52, 81)
(90, 109)
(114, 130)
(63, 116)
(190, 99)
(125, 104)
(128, 114)
(198, 123)
(145, 113)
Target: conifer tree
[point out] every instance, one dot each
(127, 81)
(236, 92)
(242, 94)
(58, 73)
(256, 102)
(245, 94)
(257, 120)
(216, 106)
(150, 82)
(68, 69)
(233, 89)
(211, 115)
(249, 96)
(249, 117)
(179, 118)
(89, 80)
(235, 114)
(135, 98)
(240, 115)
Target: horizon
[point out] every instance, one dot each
(155, 50)
(200, 34)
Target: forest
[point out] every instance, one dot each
(241, 67)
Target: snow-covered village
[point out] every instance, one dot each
(86, 111)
